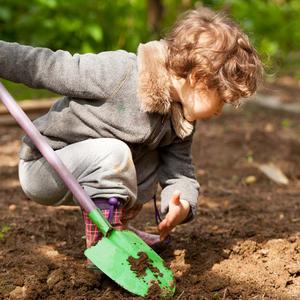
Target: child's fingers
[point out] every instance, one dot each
(167, 225)
(164, 228)
(163, 234)
(171, 219)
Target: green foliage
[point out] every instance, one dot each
(4, 229)
(286, 123)
(274, 27)
(77, 26)
(216, 296)
(94, 26)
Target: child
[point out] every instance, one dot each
(126, 121)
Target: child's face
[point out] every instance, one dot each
(198, 103)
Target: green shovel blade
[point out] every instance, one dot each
(112, 255)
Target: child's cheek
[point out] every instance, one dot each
(207, 109)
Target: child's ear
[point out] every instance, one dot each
(191, 79)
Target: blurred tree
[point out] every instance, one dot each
(95, 26)
(155, 14)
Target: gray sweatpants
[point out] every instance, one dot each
(103, 167)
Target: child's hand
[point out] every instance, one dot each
(178, 211)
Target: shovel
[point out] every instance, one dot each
(120, 254)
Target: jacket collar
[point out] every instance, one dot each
(154, 86)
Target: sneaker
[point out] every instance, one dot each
(152, 240)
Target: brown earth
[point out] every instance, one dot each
(244, 243)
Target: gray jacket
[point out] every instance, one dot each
(111, 94)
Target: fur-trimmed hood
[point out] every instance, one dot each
(154, 86)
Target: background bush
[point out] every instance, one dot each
(93, 26)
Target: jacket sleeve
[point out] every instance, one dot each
(177, 172)
(88, 76)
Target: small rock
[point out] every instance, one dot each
(250, 179)
(12, 207)
(178, 274)
(226, 253)
(201, 172)
(18, 293)
(263, 252)
(269, 127)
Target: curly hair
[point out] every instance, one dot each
(209, 48)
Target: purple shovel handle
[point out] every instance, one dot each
(15, 110)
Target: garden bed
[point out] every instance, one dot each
(244, 243)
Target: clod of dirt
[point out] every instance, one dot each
(179, 265)
(154, 291)
(245, 248)
(139, 265)
(55, 277)
(35, 288)
(294, 269)
(18, 293)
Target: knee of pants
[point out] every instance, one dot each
(41, 189)
(116, 175)
(120, 157)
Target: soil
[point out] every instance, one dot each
(139, 265)
(243, 244)
(154, 291)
